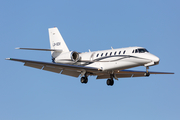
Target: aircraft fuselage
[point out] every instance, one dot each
(113, 59)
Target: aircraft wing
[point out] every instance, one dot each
(76, 70)
(129, 73)
(66, 69)
(141, 72)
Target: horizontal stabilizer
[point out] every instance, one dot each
(58, 50)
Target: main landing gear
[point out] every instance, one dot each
(84, 80)
(110, 82)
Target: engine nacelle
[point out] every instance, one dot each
(68, 57)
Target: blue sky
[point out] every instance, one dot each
(32, 94)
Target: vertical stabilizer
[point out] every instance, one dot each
(56, 42)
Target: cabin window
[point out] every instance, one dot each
(124, 52)
(97, 55)
(110, 53)
(133, 51)
(106, 54)
(119, 52)
(102, 54)
(136, 51)
(115, 53)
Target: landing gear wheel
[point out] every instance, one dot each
(84, 80)
(110, 82)
(147, 74)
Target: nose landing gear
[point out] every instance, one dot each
(147, 74)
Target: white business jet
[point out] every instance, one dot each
(106, 64)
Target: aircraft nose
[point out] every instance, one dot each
(156, 60)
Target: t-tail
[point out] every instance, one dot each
(56, 43)
(59, 50)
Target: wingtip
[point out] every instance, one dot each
(17, 48)
(8, 58)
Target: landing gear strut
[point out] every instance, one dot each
(147, 72)
(84, 79)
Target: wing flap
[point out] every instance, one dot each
(123, 75)
(128, 74)
(140, 72)
(52, 69)
(70, 73)
(105, 76)
(138, 75)
(38, 66)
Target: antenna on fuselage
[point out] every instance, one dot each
(112, 48)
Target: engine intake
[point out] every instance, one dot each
(74, 56)
(68, 57)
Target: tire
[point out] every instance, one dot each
(110, 82)
(84, 80)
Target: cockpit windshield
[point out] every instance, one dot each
(141, 50)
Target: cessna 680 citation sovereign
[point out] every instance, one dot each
(107, 64)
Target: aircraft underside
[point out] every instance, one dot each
(111, 76)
